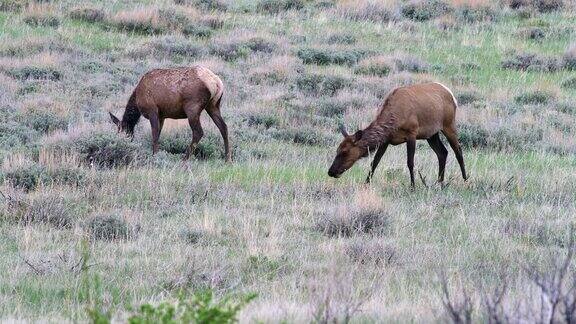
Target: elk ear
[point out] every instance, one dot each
(357, 135)
(343, 130)
(115, 119)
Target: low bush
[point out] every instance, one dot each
(140, 21)
(107, 228)
(410, 63)
(376, 66)
(326, 56)
(370, 221)
(533, 33)
(13, 134)
(98, 148)
(472, 136)
(373, 11)
(539, 5)
(196, 30)
(569, 83)
(266, 120)
(35, 72)
(570, 58)
(348, 39)
(208, 5)
(13, 5)
(43, 120)
(278, 6)
(422, 10)
(171, 46)
(321, 84)
(467, 97)
(370, 252)
(42, 20)
(179, 141)
(234, 50)
(28, 177)
(302, 135)
(49, 209)
(200, 308)
(534, 98)
(87, 14)
(531, 62)
(476, 13)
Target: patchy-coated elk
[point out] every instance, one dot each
(176, 94)
(408, 114)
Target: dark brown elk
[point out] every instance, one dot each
(177, 93)
(408, 114)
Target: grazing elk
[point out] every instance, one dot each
(176, 94)
(408, 114)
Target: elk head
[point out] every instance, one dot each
(349, 151)
(121, 125)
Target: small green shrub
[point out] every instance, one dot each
(35, 72)
(569, 83)
(472, 14)
(534, 98)
(472, 136)
(200, 308)
(196, 30)
(43, 120)
(28, 177)
(171, 46)
(209, 5)
(302, 135)
(13, 134)
(570, 58)
(321, 84)
(45, 20)
(325, 56)
(376, 66)
(410, 63)
(13, 5)
(539, 5)
(467, 97)
(99, 148)
(233, 50)
(277, 6)
(178, 142)
(87, 14)
(533, 33)
(191, 236)
(347, 39)
(531, 62)
(422, 10)
(371, 253)
(267, 121)
(49, 209)
(362, 221)
(107, 228)
(140, 21)
(372, 11)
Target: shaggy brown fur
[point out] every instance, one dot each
(176, 94)
(408, 114)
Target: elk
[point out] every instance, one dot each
(408, 114)
(176, 93)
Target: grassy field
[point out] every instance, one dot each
(92, 222)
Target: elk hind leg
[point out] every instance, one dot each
(452, 138)
(441, 153)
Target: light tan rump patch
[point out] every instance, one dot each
(211, 80)
(449, 91)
